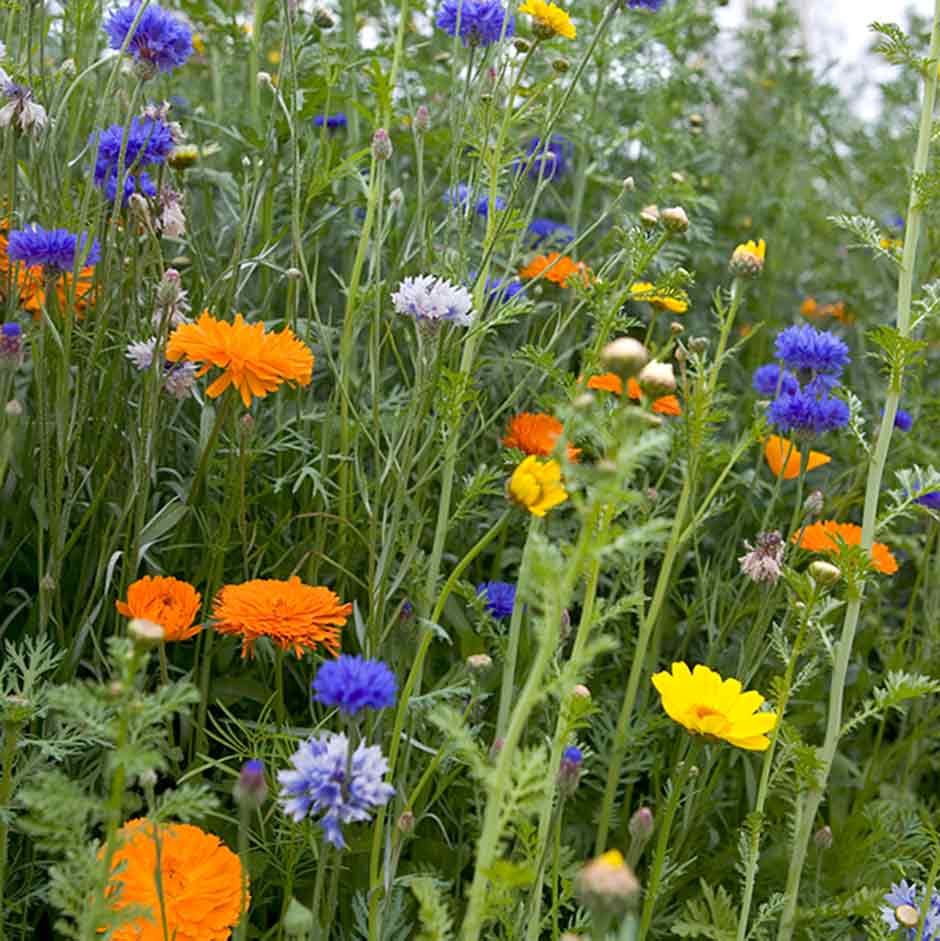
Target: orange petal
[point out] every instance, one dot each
(783, 457)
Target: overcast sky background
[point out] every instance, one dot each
(838, 30)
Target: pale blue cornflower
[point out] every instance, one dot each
(904, 895)
(432, 300)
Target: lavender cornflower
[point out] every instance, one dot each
(148, 142)
(500, 598)
(332, 122)
(251, 788)
(355, 683)
(807, 414)
(770, 380)
(172, 221)
(551, 230)
(140, 353)
(54, 249)
(20, 110)
(160, 42)
(324, 780)
(476, 22)
(431, 300)
(762, 563)
(179, 379)
(903, 911)
(547, 160)
(816, 351)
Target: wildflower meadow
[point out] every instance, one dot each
(467, 471)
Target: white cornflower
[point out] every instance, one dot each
(20, 109)
(762, 563)
(172, 220)
(429, 300)
(141, 352)
(180, 379)
(161, 113)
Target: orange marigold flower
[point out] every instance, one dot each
(536, 433)
(556, 268)
(782, 456)
(824, 536)
(169, 602)
(293, 615)
(200, 879)
(255, 362)
(610, 382)
(809, 307)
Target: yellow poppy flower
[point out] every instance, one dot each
(707, 705)
(550, 20)
(536, 485)
(644, 291)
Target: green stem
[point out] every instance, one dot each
(10, 736)
(876, 468)
(244, 827)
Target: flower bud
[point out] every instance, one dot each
(657, 379)
(649, 215)
(396, 198)
(182, 156)
(641, 824)
(813, 504)
(698, 344)
(295, 274)
(422, 119)
(522, 45)
(674, 219)
(251, 788)
(145, 633)
(561, 65)
(696, 120)
(580, 691)
(264, 78)
(564, 628)
(479, 662)
(823, 838)
(406, 823)
(569, 771)
(11, 344)
(747, 260)
(584, 401)
(323, 18)
(675, 328)
(628, 184)
(677, 177)
(496, 748)
(381, 145)
(139, 208)
(607, 885)
(625, 356)
(824, 574)
(13, 409)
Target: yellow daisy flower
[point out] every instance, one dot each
(550, 20)
(536, 485)
(644, 291)
(707, 705)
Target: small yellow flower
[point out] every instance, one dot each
(748, 259)
(644, 291)
(707, 705)
(536, 485)
(199, 44)
(550, 20)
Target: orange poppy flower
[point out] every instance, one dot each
(255, 362)
(782, 456)
(556, 268)
(200, 881)
(610, 382)
(821, 537)
(536, 433)
(293, 615)
(169, 602)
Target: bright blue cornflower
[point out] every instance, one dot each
(500, 598)
(477, 22)
(501, 291)
(771, 380)
(149, 142)
(903, 893)
(53, 249)
(463, 196)
(903, 421)
(333, 122)
(550, 229)
(548, 160)
(324, 780)
(161, 41)
(355, 683)
(930, 500)
(806, 348)
(653, 5)
(808, 414)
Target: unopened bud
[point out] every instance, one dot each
(580, 691)
(824, 573)
(823, 838)
(561, 65)
(264, 78)
(323, 18)
(422, 120)
(406, 822)
(649, 215)
(564, 628)
(295, 274)
(47, 583)
(247, 423)
(381, 145)
(251, 788)
(479, 662)
(813, 504)
(584, 401)
(522, 45)
(607, 885)
(628, 184)
(396, 198)
(675, 328)
(747, 260)
(674, 219)
(11, 344)
(657, 379)
(641, 824)
(625, 356)
(696, 120)
(569, 771)
(698, 344)
(677, 177)
(496, 748)
(13, 409)
(139, 207)
(145, 633)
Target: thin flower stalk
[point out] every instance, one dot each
(855, 595)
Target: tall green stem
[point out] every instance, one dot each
(11, 731)
(826, 754)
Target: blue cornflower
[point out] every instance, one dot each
(569, 770)
(500, 598)
(333, 122)
(905, 895)
(324, 780)
(572, 754)
(53, 249)
(11, 343)
(462, 196)
(807, 414)
(548, 160)
(645, 4)
(930, 500)
(355, 683)
(149, 141)
(805, 347)
(161, 41)
(477, 22)
(903, 421)
(501, 291)
(550, 229)
(771, 380)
